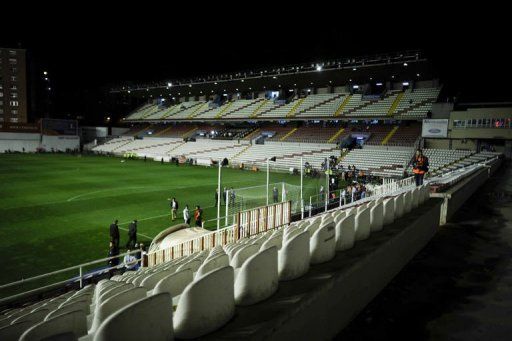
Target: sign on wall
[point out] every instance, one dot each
(435, 128)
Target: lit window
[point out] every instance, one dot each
(13, 119)
(14, 103)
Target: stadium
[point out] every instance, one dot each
(274, 202)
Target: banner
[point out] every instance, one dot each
(435, 128)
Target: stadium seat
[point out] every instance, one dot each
(111, 291)
(339, 215)
(193, 265)
(258, 277)
(82, 305)
(362, 224)
(275, 240)
(346, 233)
(399, 206)
(74, 322)
(416, 197)
(174, 283)
(389, 211)
(407, 202)
(32, 317)
(206, 304)
(322, 245)
(151, 280)
(376, 217)
(210, 264)
(15, 330)
(242, 255)
(114, 303)
(149, 318)
(294, 257)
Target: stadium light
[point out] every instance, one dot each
(405, 83)
(355, 86)
(379, 84)
(169, 84)
(405, 64)
(45, 73)
(354, 69)
(319, 68)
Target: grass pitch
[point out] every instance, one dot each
(55, 210)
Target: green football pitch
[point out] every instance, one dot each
(55, 210)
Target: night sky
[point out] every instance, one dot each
(88, 49)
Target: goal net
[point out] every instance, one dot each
(240, 199)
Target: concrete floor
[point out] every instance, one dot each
(460, 286)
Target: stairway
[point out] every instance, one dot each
(389, 135)
(415, 105)
(368, 103)
(242, 151)
(224, 109)
(336, 135)
(244, 106)
(175, 147)
(342, 105)
(198, 110)
(290, 133)
(189, 132)
(325, 101)
(292, 111)
(255, 113)
(395, 103)
(252, 134)
(164, 131)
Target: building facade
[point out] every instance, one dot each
(13, 86)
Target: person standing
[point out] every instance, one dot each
(186, 215)
(198, 216)
(174, 208)
(114, 233)
(216, 197)
(419, 167)
(232, 196)
(132, 234)
(224, 194)
(113, 251)
(275, 194)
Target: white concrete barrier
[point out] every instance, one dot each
(376, 217)
(258, 278)
(206, 304)
(174, 283)
(243, 254)
(322, 245)
(211, 264)
(293, 258)
(147, 319)
(389, 211)
(346, 233)
(71, 322)
(113, 304)
(362, 224)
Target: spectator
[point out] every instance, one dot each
(186, 215)
(275, 194)
(132, 234)
(114, 233)
(419, 167)
(198, 216)
(130, 262)
(174, 208)
(321, 192)
(232, 195)
(113, 251)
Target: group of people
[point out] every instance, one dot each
(226, 193)
(198, 213)
(131, 261)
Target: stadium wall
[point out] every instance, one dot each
(60, 143)
(19, 142)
